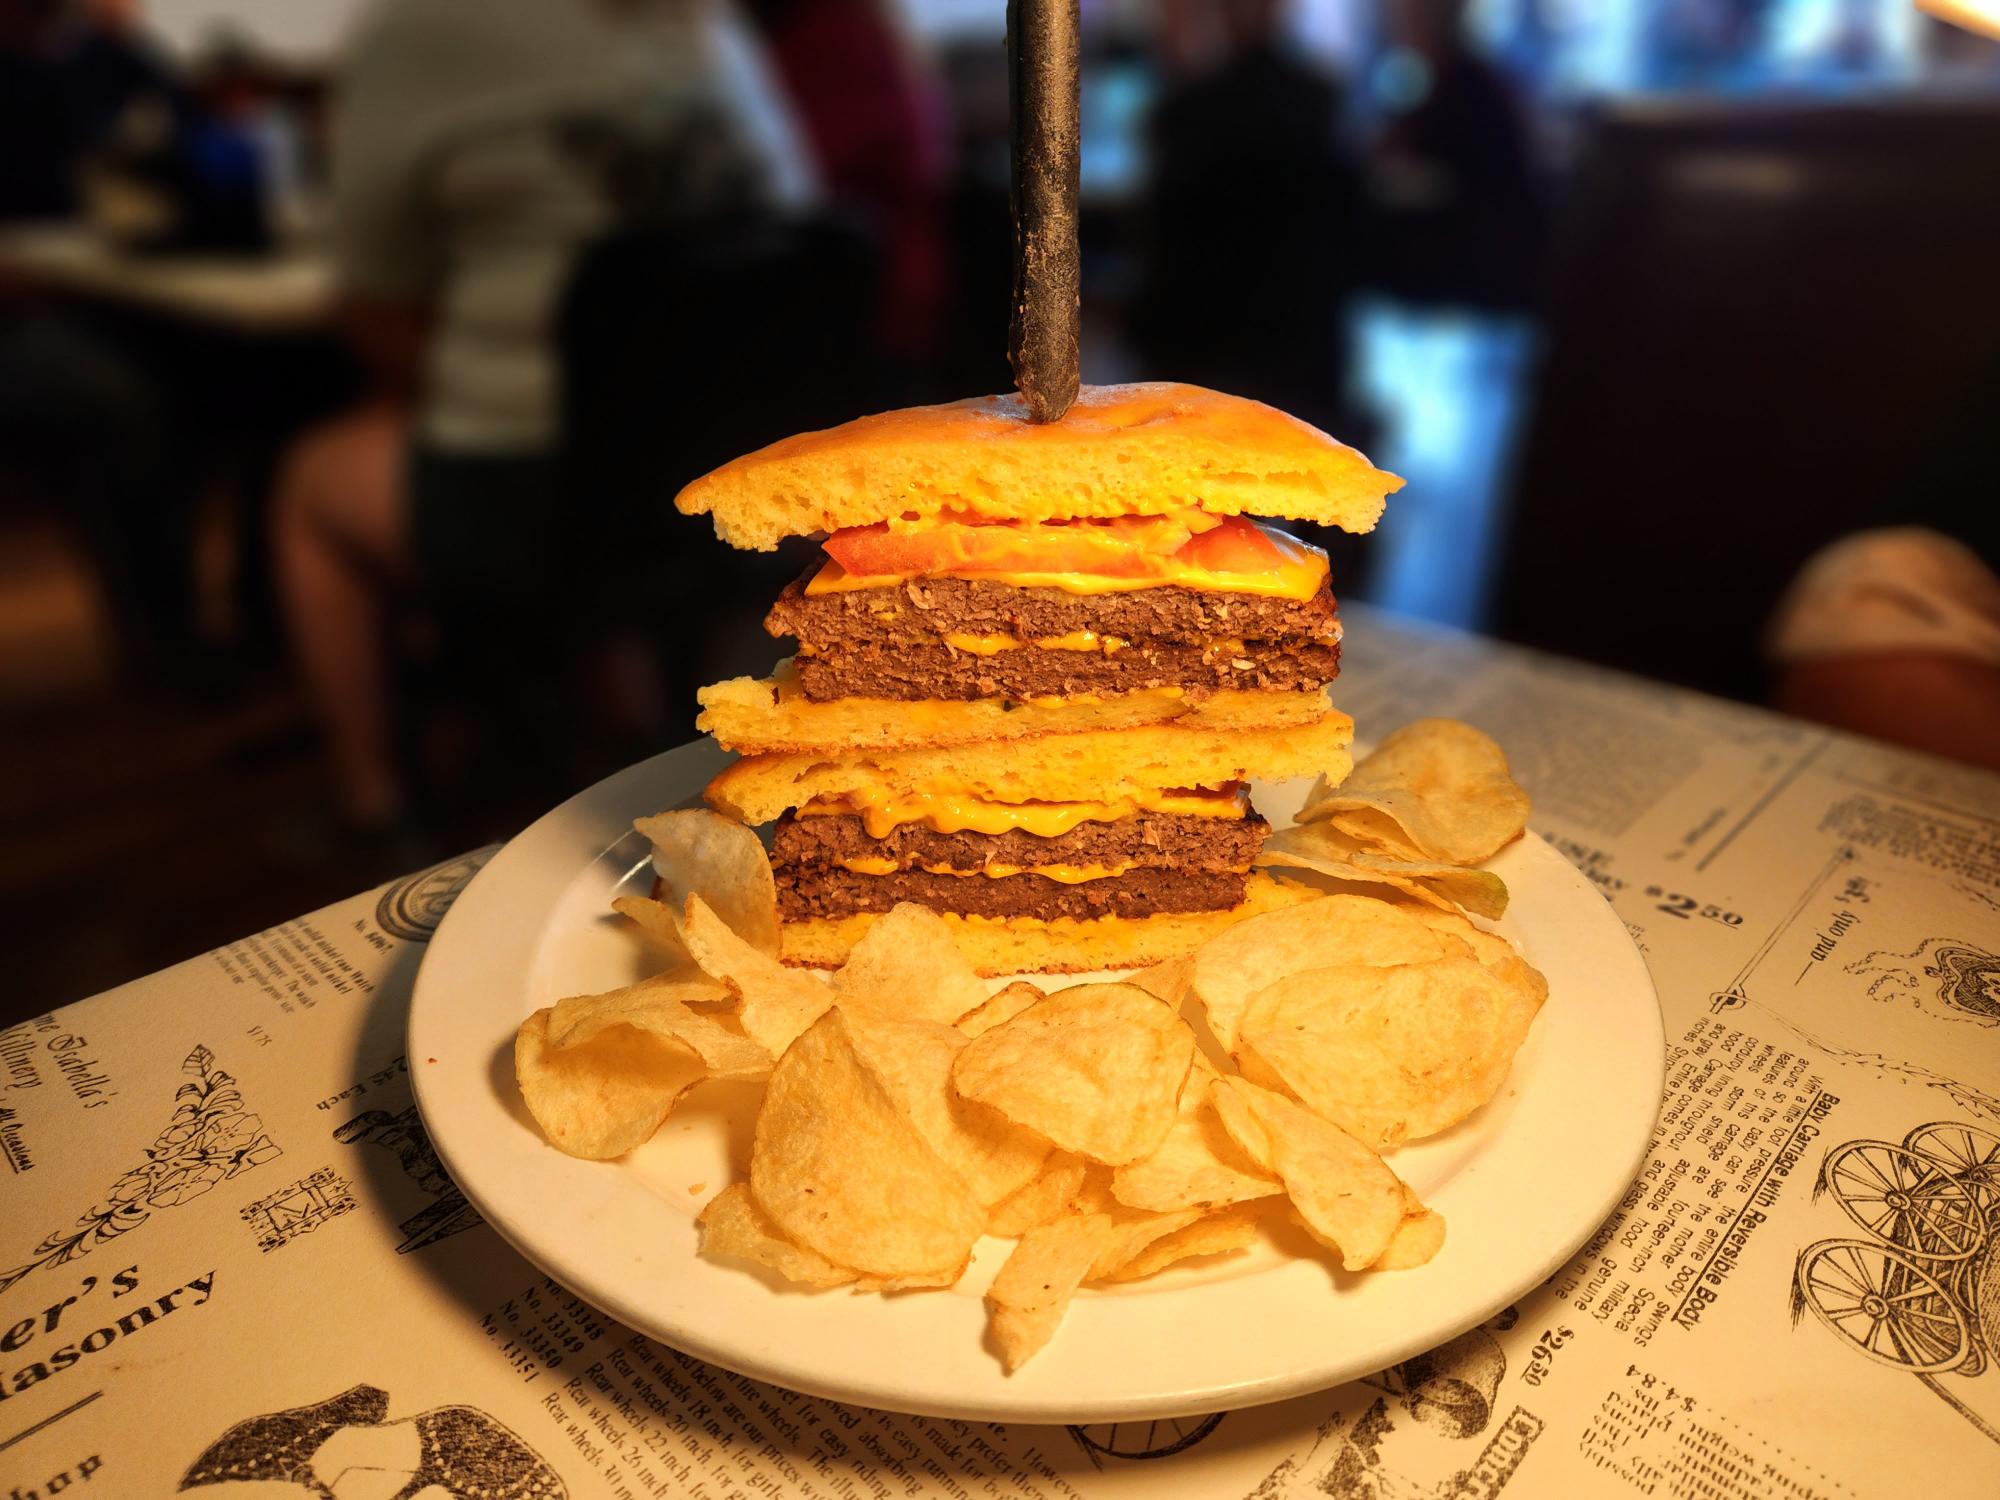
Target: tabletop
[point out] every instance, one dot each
(282, 292)
(228, 1256)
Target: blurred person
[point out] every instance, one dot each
(1456, 218)
(1894, 632)
(1249, 214)
(84, 423)
(877, 128)
(461, 202)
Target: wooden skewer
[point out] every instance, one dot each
(1043, 58)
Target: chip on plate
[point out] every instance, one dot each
(1097, 1068)
(605, 1096)
(733, 1225)
(697, 852)
(1345, 1194)
(774, 1003)
(1239, 961)
(839, 1167)
(1197, 1165)
(908, 963)
(913, 1060)
(1328, 849)
(1392, 1053)
(657, 1007)
(1436, 789)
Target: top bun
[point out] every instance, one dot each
(1121, 450)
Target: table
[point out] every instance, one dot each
(284, 292)
(227, 1252)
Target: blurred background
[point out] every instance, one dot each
(351, 351)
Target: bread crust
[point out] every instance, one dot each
(1027, 945)
(1121, 450)
(772, 715)
(1093, 767)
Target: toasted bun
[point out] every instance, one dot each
(1065, 945)
(765, 716)
(1095, 767)
(1122, 450)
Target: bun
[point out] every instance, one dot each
(1097, 767)
(1032, 945)
(764, 716)
(1121, 450)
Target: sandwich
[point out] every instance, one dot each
(1036, 668)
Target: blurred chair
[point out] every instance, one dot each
(681, 351)
(1762, 322)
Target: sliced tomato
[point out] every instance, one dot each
(1120, 547)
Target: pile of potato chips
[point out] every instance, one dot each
(907, 1113)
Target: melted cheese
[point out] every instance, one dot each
(1297, 575)
(865, 864)
(957, 811)
(992, 645)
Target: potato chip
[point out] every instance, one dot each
(1329, 850)
(1165, 981)
(1197, 1165)
(913, 1060)
(1028, 1298)
(1222, 1232)
(1345, 1194)
(774, 1004)
(733, 1226)
(1499, 956)
(1096, 1068)
(1239, 961)
(1434, 790)
(1003, 1006)
(663, 926)
(908, 963)
(1417, 1239)
(604, 1097)
(1388, 1054)
(840, 1169)
(1047, 1195)
(654, 1006)
(701, 853)
(1133, 1232)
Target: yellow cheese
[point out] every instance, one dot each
(869, 864)
(952, 811)
(990, 645)
(1297, 575)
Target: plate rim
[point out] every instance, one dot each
(1013, 1400)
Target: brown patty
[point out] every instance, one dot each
(823, 891)
(923, 609)
(1148, 840)
(938, 671)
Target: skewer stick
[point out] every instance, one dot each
(1042, 70)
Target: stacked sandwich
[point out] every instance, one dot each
(1036, 668)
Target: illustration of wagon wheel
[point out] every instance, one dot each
(1970, 1154)
(1904, 1197)
(1882, 1301)
(1155, 1439)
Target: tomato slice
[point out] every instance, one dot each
(1122, 547)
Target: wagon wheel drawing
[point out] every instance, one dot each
(1152, 1439)
(1881, 1300)
(1904, 1197)
(1970, 1154)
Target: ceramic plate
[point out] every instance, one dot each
(1522, 1183)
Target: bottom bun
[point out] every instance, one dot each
(1062, 945)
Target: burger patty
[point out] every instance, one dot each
(921, 610)
(940, 671)
(1148, 840)
(824, 891)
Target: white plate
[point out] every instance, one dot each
(1521, 1184)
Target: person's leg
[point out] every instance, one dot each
(340, 538)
